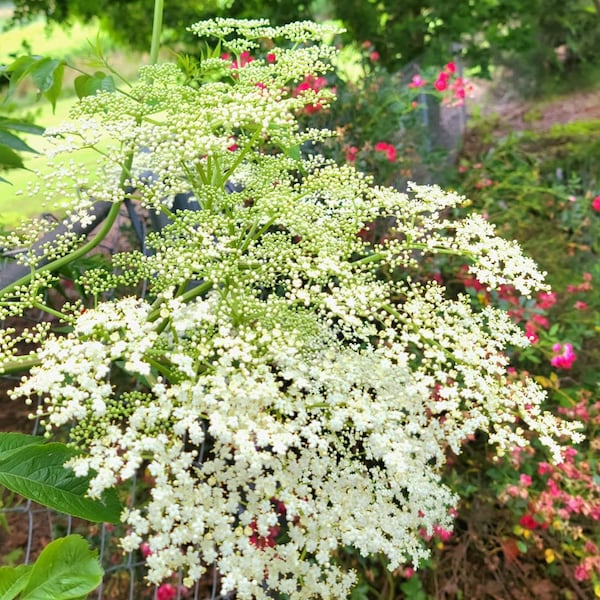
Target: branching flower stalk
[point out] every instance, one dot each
(290, 388)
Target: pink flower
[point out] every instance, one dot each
(390, 151)
(546, 300)
(553, 488)
(417, 82)
(145, 549)
(374, 56)
(166, 592)
(271, 58)
(525, 479)
(540, 320)
(530, 333)
(443, 534)
(596, 204)
(544, 468)
(581, 573)
(351, 154)
(563, 356)
(245, 59)
(580, 305)
(310, 82)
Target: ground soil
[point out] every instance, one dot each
(518, 114)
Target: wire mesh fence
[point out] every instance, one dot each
(26, 527)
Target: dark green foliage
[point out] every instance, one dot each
(36, 470)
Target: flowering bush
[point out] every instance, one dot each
(386, 122)
(290, 388)
(545, 517)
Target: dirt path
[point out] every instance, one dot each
(539, 116)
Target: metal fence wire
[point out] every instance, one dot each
(25, 528)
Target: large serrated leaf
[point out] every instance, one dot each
(37, 472)
(66, 569)
(18, 69)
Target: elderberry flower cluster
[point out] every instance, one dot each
(290, 388)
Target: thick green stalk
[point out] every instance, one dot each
(83, 250)
(156, 30)
(65, 260)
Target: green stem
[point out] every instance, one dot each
(156, 31)
(240, 157)
(196, 291)
(107, 224)
(21, 363)
(368, 259)
(51, 311)
(65, 260)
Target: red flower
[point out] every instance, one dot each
(374, 56)
(528, 522)
(166, 592)
(310, 82)
(441, 83)
(260, 541)
(530, 333)
(388, 149)
(450, 68)
(244, 60)
(596, 204)
(271, 58)
(546, 300)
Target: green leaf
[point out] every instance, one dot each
(18, 69)
(88, 85)
(53, 92)
(20, 125)
(66, 569)
(9, 158)
(15, 143)
(9, 442)
(37, 472)
(13, 580)
(47, 74)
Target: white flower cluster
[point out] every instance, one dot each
(290, 389)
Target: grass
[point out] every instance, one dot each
(72, 45)
(14, 206)
(50, 40)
